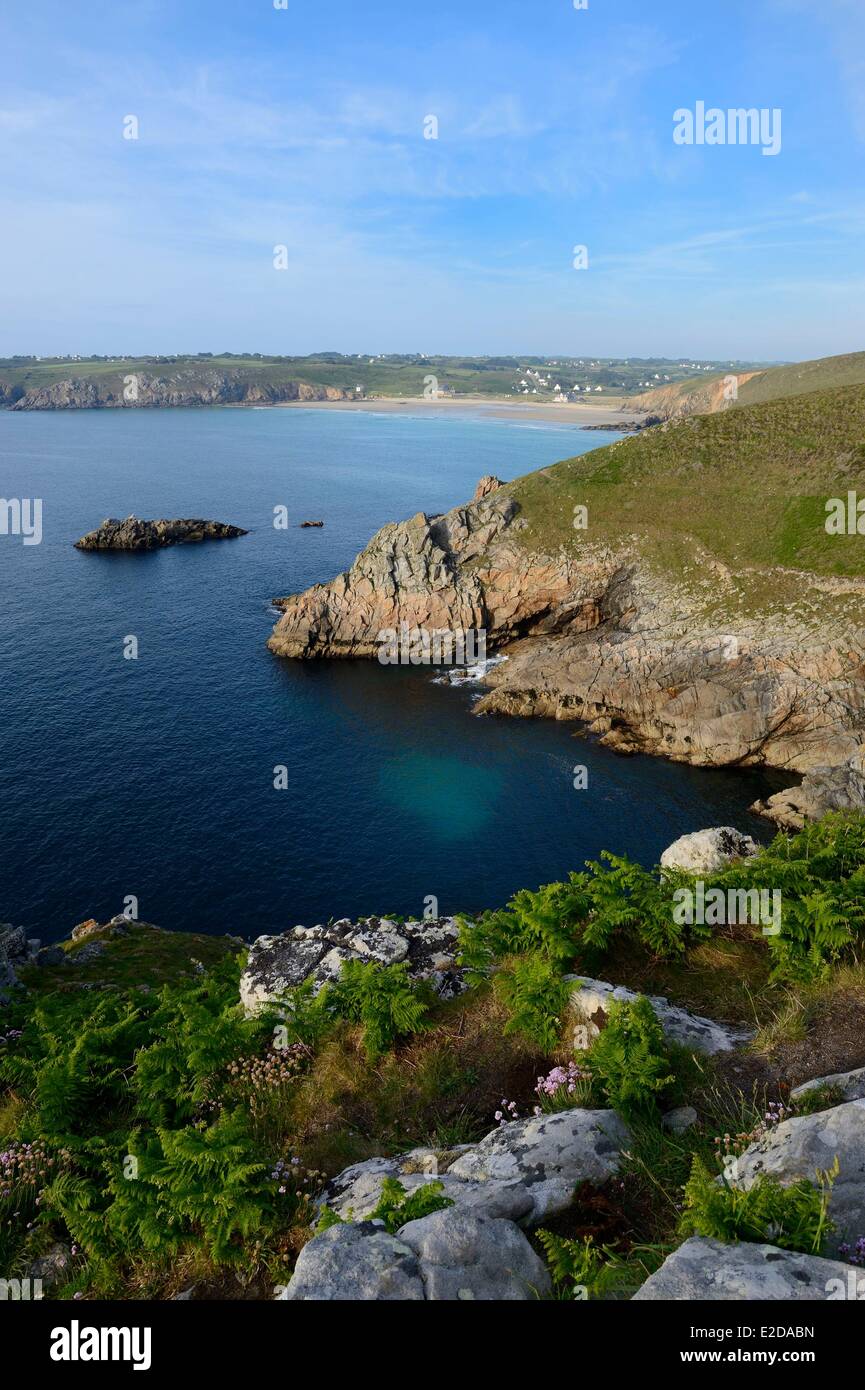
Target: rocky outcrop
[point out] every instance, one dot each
(488, 483)
(141, 390)
(690, 398)
(703, 1271)
(525, 1171)
(708, 851)
(16, 950)
(844, 1085)
(277, 964)
(806, 1145)
(590, 1004)
(840, 788)
(449, 1256)
(594, 633)
(134, 534)
(355, 1262)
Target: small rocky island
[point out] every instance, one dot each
(135, 534)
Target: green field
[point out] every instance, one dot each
(388, 376)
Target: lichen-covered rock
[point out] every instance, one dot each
(465, 1256)
(451, 1255)
(846, 1085)
(711, 1271)
(278, 964)
(355, 1262)
(801, 1147)
(591, 1002)
(549, 1155)
(355, 1193)
(134, 534)
(707, 851)
(524, 1171)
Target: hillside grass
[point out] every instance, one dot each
(748, 486)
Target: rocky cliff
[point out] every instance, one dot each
(140, 390)
(601, 633)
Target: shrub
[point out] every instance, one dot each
(820, 873)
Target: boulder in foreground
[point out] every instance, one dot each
(708, 851)
(452, 1255)
(135, 534)
(703, 1271)
(525, 1171)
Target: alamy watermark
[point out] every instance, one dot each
(22, 516)
(845, 516)
(736, 126)
(717, 907)
(421, 646)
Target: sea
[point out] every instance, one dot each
(191, 777)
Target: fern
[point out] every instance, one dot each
(382, 999)
(629, 1059)
(536, 996)
(794, 1217)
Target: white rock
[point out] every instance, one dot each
(798, 1148)
(524, 1171)
(850, 1085)
(463, 1255)
(348, 1263)
(707, 851)
(710, 1271)
(591, 1002)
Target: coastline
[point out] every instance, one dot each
(614, 413)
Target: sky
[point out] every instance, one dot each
(304, 127)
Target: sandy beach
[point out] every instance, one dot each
(612, 412)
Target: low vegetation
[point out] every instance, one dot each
(168, 1140)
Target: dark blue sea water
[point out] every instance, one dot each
(154, 777)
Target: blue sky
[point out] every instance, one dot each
(304, 127)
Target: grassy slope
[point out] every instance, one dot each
(775, 383)
(750, 486)
(825, 373)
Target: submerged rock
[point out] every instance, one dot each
(277, 964)
(708, 851)
(591, 1002)
(710, 1271)
(134, 534)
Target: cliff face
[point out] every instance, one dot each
(598, 635)
(683, 398)
(139, 390)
